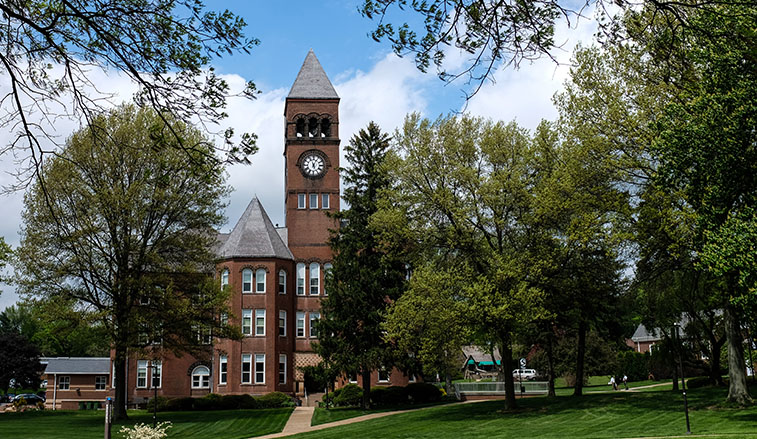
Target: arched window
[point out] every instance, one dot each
(315, 279)
(300, 279)
(200, 377)
(246, 280)
(300, 127)
(325, 127)
(327, 267)
(260, 280)
(313, 127)
(224, 279)
(282, 282)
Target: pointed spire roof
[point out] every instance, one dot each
(254, 236)
(312, 82)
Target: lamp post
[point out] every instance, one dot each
(679, 345)
(155, 398)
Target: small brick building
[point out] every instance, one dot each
(75, 381)
(275, 274)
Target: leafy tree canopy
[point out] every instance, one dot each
(20, 360)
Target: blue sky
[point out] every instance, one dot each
(372, 82)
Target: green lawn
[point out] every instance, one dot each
(224, 424)
(324, 416)
(598, 415)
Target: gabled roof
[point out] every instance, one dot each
(78, 365)
(312, 82)
(642, 334)
(478, 354)
(254, 236)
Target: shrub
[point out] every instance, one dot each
(144, 431)
(274, 400)
(423, 392)
(162, 402)
(180, 404)
(349, 395)
(234, 402)
(211, 401)
(386, 396)
(328, 399)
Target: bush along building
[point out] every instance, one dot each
(275, 274)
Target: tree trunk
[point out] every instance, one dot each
(550, 366)
(715, 377)
(507, 365)
(447, 382)
(675, 374)
(737, 389)
(581, 353)
(366, 389)
(119, 405)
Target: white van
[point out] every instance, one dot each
(524, 374)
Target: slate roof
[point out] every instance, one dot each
(78, 365)
(642, 334)
(312, 82)
(254, 236)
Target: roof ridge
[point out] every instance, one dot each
(312, 81)
(254, 235)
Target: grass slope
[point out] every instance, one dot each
(612, 415)
(224, 424)
(324, 416)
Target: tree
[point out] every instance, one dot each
(707, 150)
(163, 46)
(5, 253)
(365, 278)
(497, 33)
(123, 226)
(20, 360)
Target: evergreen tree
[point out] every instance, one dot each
(365, 278)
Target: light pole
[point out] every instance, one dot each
(155, 398)
(679, 345)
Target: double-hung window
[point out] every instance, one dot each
(282, 282)
(246, 280)
(314, 201)
(315, 279)
(325, 201)
(300, 324)
(314, 317)
(246, 369)
(282, 369)
(224, 279)
(223, 371)
(300, 201)
(200, 377)
(259, 368)
(282, 323)
(300, 279)
(141, 374)
(247, 321)
(260, 281)
(260, 322)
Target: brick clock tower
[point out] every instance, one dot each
(311, 151)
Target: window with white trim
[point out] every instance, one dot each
(383, 375)
(200, 377)
(156, 369)
(100, 382)
(282, 323)
(353, 378)
(314, 201)
(300, 324)
(246, 369)
(224, 278)
(247, 321)
(246, 280)
(282, 282)
(64, 382)
(223, 369)
(259, 368)
(282, 369)
(260, 322)
(141, 374)
(315, 279)
(300, 201)
(300, 279)
(314, 317)
(325, 201)
(412, 378)
(260, 281)
(327, 267)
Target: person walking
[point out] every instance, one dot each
(625, 381)
(614, 384)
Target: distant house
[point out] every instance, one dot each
(643, 339)
(77, 382)
(479, 363)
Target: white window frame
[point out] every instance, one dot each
(282, 371)
(325, 202)
(282, 323)
(327, 267)
(260, 272)
(203, 378)
(247, 315)
(314, 279)
(300, 279)
(224, 278)
(223, 370)
(141, 374)
(412, 378)
(160, 374)
(313, 197)
(247, 361)
(101, 381)
(301, 200)
(64, 382)
(300, 325)
(247, 285)
(282, 282)
(260, 325)
(388, 375)
(352, 378)
(260, 360)
(314, 317)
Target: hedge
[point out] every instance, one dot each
(213, 401)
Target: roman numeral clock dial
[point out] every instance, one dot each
(313, 165)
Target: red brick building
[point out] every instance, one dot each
(74, 382)
(275, 275)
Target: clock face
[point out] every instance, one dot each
(313, 165)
